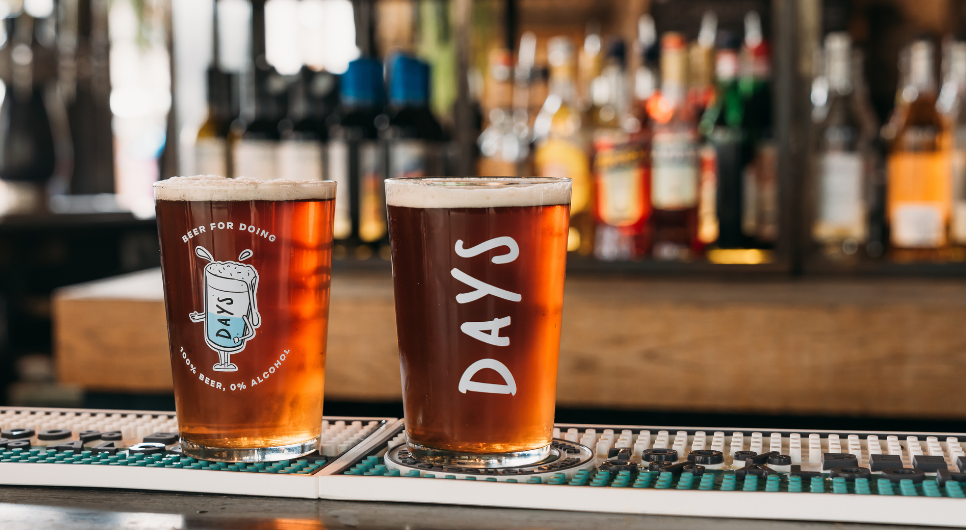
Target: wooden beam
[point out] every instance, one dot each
(852, 347)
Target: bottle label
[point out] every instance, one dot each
(559, 158)
(958, 174)
(708, 226)
(372, 193)
(338, 170)
(841, 206)
(409, 159)
(917, 225)
(766, 216)
(211, 157)
(749, 200)
(256, 159)
(918, 199)
(300, 160)
(675, 171)
(621, 184)
(958, 228)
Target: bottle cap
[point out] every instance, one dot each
(362, 83)
(409, 84)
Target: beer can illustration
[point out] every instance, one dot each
(231, 313)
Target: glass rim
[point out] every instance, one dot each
(481, 182)
(218, 188)
(477, 192)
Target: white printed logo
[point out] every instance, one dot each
(475, 329)
(231, 309)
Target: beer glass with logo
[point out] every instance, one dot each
(478, 270)
(246, 268)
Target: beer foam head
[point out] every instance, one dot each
(482, 192)
(214, 188)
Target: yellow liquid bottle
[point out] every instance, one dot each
(918, 195)
(561, 147)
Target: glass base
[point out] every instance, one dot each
(244, 454)
(478, 460)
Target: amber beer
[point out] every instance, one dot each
(246, 268)
(478, 268)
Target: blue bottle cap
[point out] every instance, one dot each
(362, 83)
(409, 85)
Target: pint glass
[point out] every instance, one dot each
(478, 270)
(246, 268)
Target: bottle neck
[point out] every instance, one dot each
(674, 75)
(838, 71)
(921, 76)
(956, 73)
(562, 84)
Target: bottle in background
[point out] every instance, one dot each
(760, 189)
(28, 153)
(590, 60)
(723, 127)
(648, 75)
(301, 151)
(211, 152)
(701, 89)
(952, 104)
(620, 165)
(561, 147)
(918, 191)
(674, 158)
(355, 160)
(255, 150)
(413, 136)
(523, 75)
(877, 231)
(499, 146)
(844, 159)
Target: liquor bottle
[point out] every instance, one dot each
(952, 104)
(355, 159)
(647, 77)
(918, 192)
(760, 211)
(413, 136)
(878, 232)
(701, 89)
(844, 159)
(211, 151)
(500, 148)
(304, 133)
(254, 151)
(561, 145)
(28, 148)
(620, 166)
(674, 158)
(590, 59)
(523, 81)
(723, 126)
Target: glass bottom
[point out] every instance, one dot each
(478, 460)
(249, 454)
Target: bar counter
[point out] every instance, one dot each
(799, 346)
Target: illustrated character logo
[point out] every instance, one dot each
(231, 309)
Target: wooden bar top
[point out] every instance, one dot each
(886, 347)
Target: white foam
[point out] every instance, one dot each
(230, 269)
(215, 188)
(483, 192)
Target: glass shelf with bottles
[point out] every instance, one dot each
(673, 163)
(891, 199)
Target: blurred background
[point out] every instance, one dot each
(769, 210)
